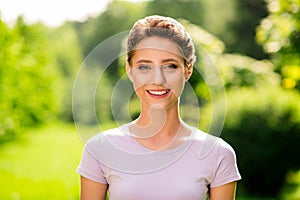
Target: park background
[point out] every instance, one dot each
(254, 44)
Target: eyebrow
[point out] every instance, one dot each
(164, 60)
(170, 60)
(144, 61)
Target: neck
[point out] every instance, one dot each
(157, 121)
(159, 129)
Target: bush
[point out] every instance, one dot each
(26, 78)
(263, 126)
(279, 35)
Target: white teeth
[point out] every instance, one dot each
(158, 92)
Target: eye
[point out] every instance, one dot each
(170, 67)
(144, 67)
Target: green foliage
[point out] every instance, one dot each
(234, 22)
(291, 189)
(239, 71)
(203, 39)
(118, 17)
(279, 33)
(65, 46)
(26, 77)
(92, 96)
(68, 58)
(189, 10)
(206, 45)
(263, 126)
(234, 70)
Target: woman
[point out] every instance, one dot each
(157, 155)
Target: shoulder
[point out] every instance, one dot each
(225, 147)
(225, 150)
(107, 136)
(225, 165)
(211, 145)
(225, 154)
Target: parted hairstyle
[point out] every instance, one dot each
(164, 27)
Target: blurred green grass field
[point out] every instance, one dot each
(41, 164)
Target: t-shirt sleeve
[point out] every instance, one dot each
(90, 167)
(226, 166)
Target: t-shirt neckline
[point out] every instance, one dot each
(125, 129)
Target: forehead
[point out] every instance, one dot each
(159, 45)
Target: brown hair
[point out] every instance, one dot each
(164, 27)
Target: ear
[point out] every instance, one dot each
(188, 72)
(129, 71)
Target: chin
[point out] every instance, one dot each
(164, 106)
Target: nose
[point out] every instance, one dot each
(159, 76)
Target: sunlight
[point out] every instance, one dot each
(52, 13)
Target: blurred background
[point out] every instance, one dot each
(254, 44)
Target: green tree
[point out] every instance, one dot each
(26, 78)
(191, 10)
(118, 17)
(247, 15)
(68, 56)
(235, 70)
(234, 21)
(263, 126)
(279, 34)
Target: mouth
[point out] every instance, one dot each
(158, 93)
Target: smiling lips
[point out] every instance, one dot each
(158, 93)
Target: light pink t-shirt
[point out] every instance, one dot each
(134, 172)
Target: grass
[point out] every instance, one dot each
(41, 164)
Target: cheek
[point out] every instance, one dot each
(176, 84)
(140, 80)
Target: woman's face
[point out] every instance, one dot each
(158, 72)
